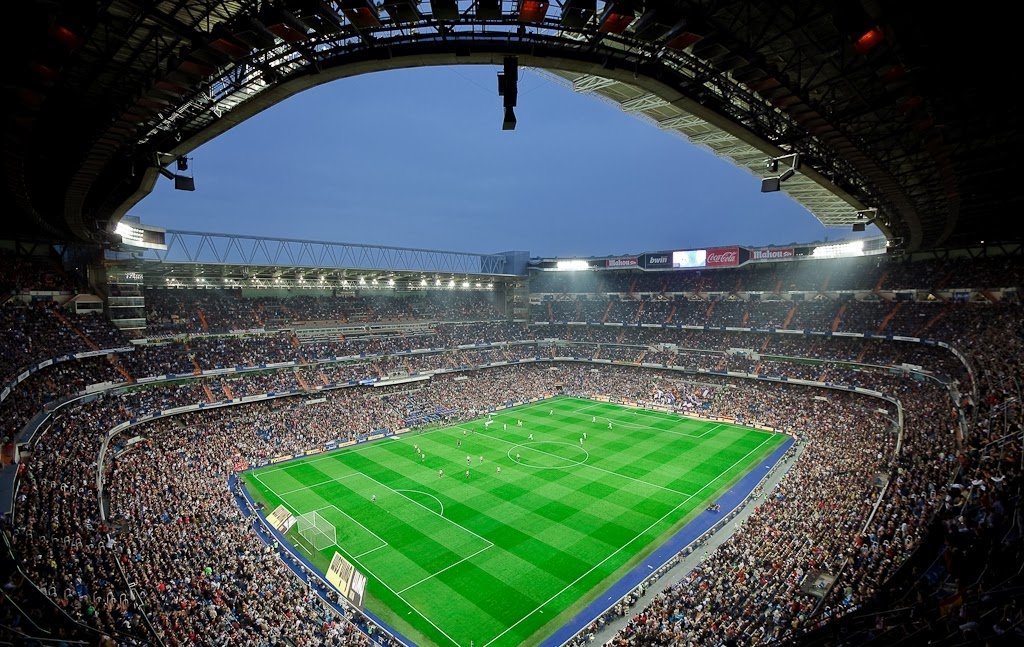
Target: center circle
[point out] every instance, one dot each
(549, 454)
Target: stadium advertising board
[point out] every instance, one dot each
(722, 257)
(656, 260)
(630, 261)
(349, 582)
(773, 253)
(689, 258)
(281, 519)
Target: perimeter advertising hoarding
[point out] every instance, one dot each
(722, 257)
(349, 582)
(281, 519)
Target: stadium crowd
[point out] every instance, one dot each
(150, 526)
(750, 589)
(182, 311)
(851, 507)
(39, 331)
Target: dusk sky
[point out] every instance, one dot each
(417, 158)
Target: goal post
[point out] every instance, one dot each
(316, 530)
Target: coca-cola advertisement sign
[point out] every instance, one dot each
(722, 257)
(773, 253)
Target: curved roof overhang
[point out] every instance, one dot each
(748, 81)
(653, 97)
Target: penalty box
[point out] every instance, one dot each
(402, 538)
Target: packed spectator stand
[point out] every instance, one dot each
(202, 574)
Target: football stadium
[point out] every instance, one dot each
(240, 439)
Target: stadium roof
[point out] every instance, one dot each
(194, 253)
(894, 106)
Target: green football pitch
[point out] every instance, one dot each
(505, 557)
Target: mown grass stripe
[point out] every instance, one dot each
(556, 532)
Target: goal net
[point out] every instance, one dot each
(315, 529)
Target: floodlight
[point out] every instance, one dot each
(184, 183)
(773, 183)
(865, 217)
(181, 182)
(839, 250)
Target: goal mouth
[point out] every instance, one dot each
(316, 530)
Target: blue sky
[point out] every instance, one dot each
(417, 158)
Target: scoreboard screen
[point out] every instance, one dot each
(689, 258)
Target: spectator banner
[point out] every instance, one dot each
(722, 257)
(349, 582)
(281, 519)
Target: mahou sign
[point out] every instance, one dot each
(773, 253)
(621, 262)
(723, 257)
